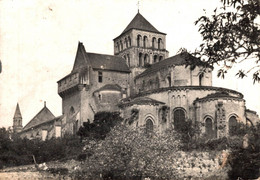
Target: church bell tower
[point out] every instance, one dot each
(141, 45)
(17, 120)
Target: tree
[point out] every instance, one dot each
(102, 123)
(232, 35)
(128, 153)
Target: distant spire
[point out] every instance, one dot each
(17, 113)
(138, 6)
(44, 103)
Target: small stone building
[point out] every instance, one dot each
(44, 125)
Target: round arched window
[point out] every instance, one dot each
(72, 111)
(149, 126)
(209, 131)
(232, 124)
(179, 118)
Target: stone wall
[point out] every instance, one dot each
(173, 76)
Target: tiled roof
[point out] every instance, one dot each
(113, 87)
(98, 61)
(43, 116)
(140, 100)
(107, 62)
(217, 95)
(17, 113)
(179, 59)
(180, 88)
(140, 23)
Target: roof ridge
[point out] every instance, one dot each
(45, 107)
(141, 23)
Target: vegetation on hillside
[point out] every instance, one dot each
(15, 151)
(123, 151)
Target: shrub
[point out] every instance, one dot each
(101, 126)
(128, 153)
(20, 151)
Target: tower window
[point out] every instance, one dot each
(121, 45)
(159, 43)
(129, 41)
(153, 42)
(160, 58)
(145, 41)
(139, 37)
(118, 48)
(100, 77)
(126, 42)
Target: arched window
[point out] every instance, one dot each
(179, 118)
(121, 45)
(145, 41)
(118, 47)
(155, 58)
(200, 79)
(153, 42)
(128, 59)
(140, 59)
(149, 126)
(232, 124)
(209, 131)
(139, 38)
(146, 60)
(72, 111)
(160, 58)
(169, 81)
(129, 40)
(126, 43)
(159, 43)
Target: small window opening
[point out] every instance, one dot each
(100, 77)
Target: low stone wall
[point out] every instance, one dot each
(202, 165)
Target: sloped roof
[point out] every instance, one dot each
(217, 95)
(98, 61)
(107, 62)
(17, 113)
(140, 100)
(140, 23)
(179, 59)
(43, 116)
(113, 87)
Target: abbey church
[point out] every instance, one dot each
(150, 89)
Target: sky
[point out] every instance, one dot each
(38, 43)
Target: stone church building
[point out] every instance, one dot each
(150, 89)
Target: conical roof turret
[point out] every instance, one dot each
(17, 113)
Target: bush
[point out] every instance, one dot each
(20, 151)
(101, 126)
(130, 153)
